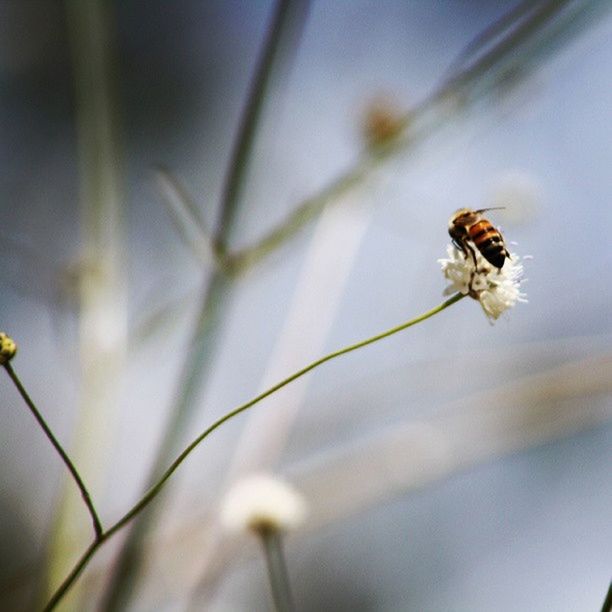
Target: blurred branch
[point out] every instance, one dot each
(186, 217)
(289, 14)
(101, 281)
(162, 317)
(282, 40)
(278, 574)
(505, 23)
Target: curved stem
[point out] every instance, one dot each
(155, 489)
(97, 525)
(146, 499)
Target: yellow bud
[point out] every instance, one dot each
(8, 348)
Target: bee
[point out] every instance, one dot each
(468, 229)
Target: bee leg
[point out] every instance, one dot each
(473, 254)
(460, 246)
(466, 249)
(475, 271)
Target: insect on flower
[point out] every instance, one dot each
(468, 227)
(479, 265)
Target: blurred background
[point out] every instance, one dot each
(154, 276)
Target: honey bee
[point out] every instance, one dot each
(468, 229)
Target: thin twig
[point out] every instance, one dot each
(186, 216)
(154, 491)
(97, 525)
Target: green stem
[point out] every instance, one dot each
(277, 570)
(156, 489)
(74, 573)
(97, 525)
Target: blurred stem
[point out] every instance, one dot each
(287, 23)
(186, 217)
(486, 36)
(97, 525)
(278, 575)
(102, 316)
(155, 490)
(286, 13)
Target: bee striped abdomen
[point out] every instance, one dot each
(489, 242)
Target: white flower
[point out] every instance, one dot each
(496, 290)
(261, 502)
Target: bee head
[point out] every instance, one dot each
(464, 217)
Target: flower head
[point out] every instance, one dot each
(8, 348)
(497, 290)
(262, 502)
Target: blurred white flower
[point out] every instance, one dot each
(262, 502)
(497, 290)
